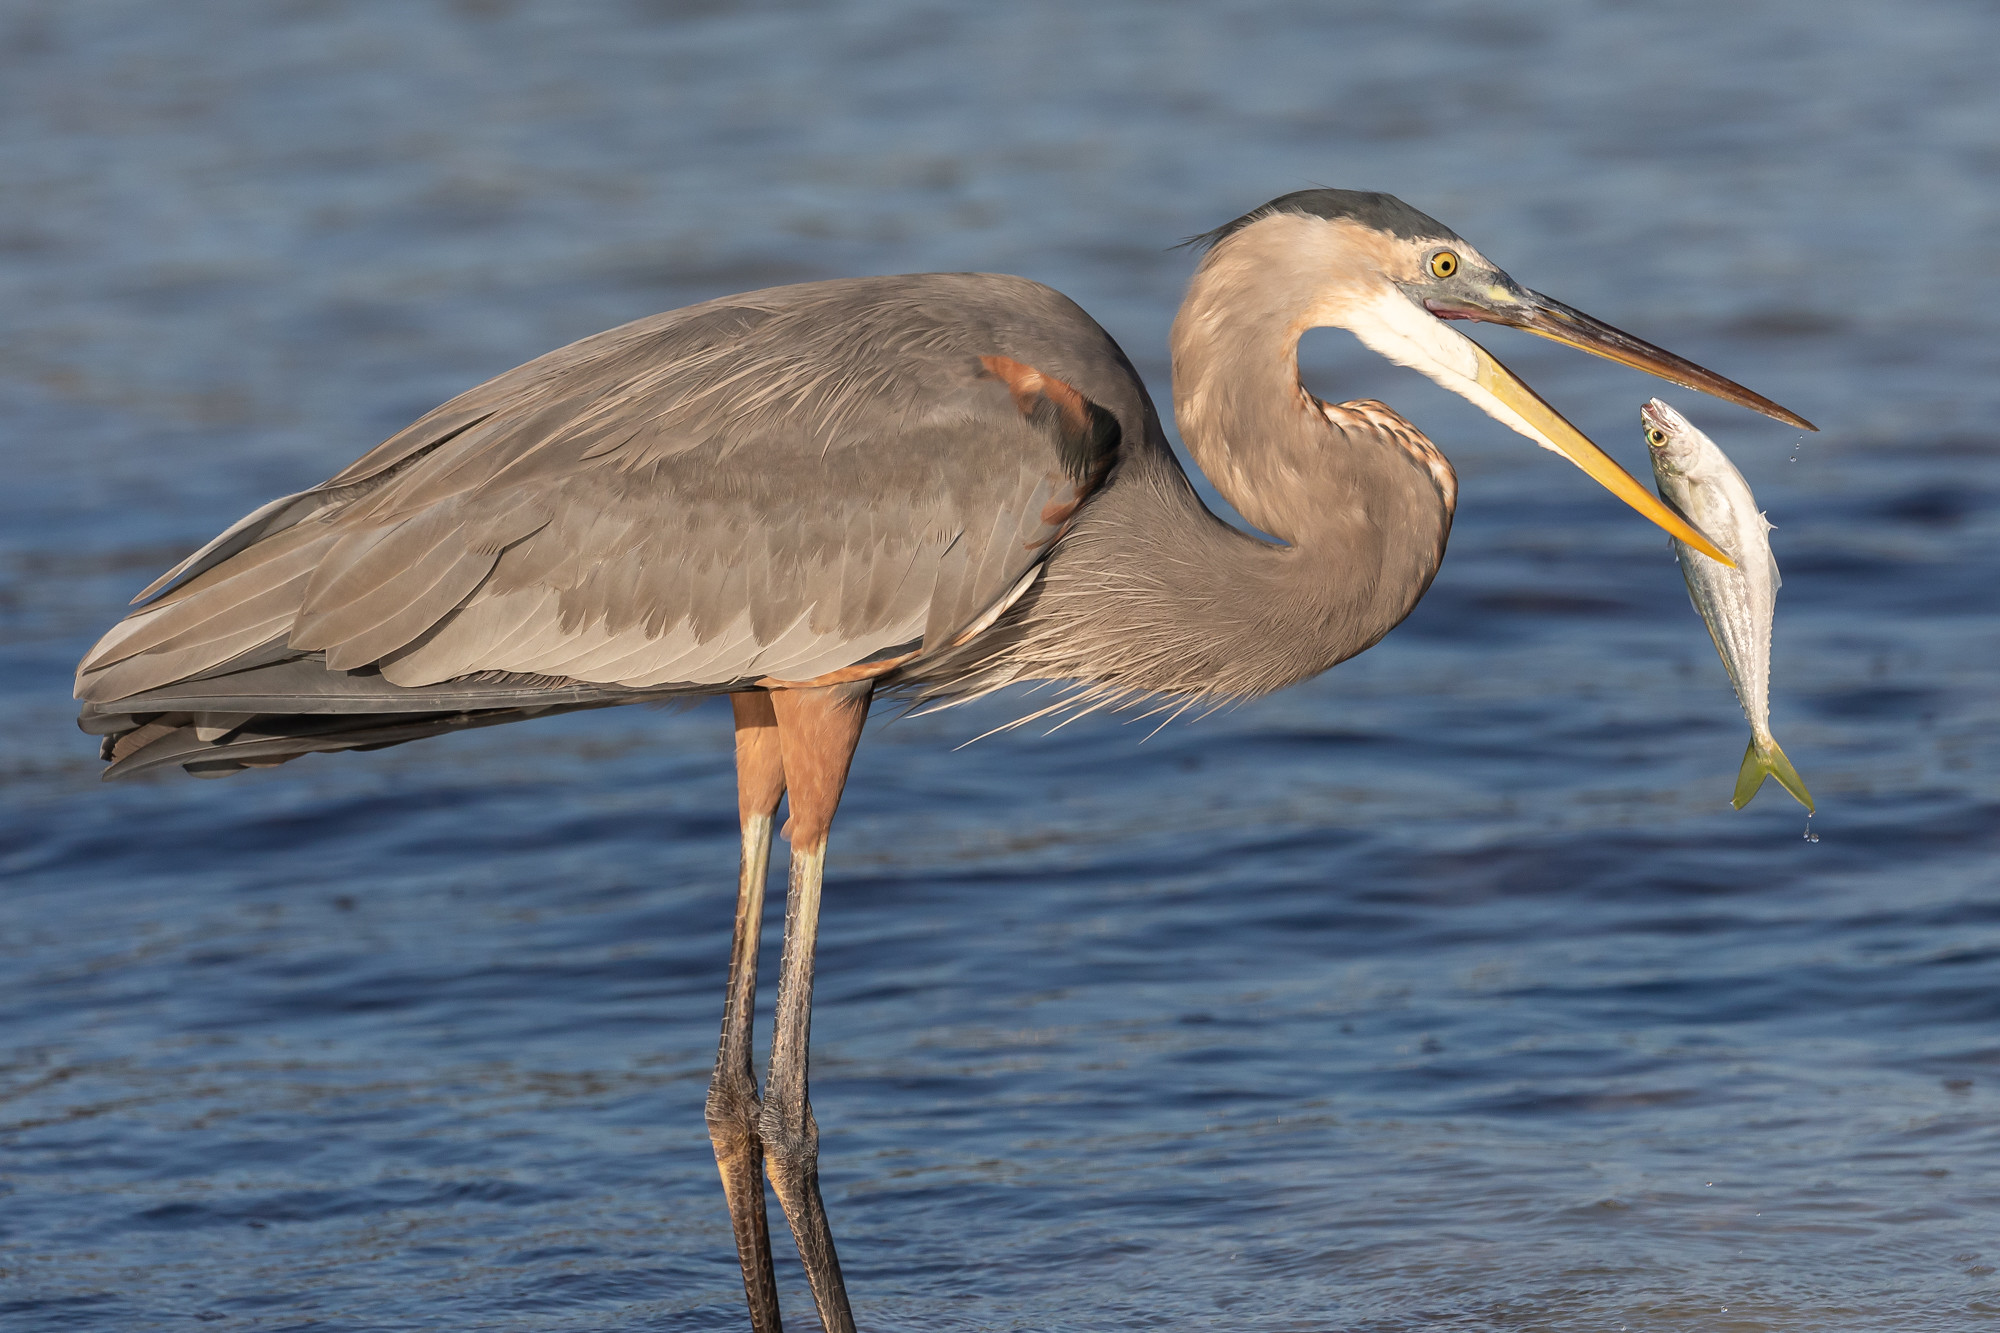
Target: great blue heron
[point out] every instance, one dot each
(933, 485)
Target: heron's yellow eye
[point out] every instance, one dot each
(1443, 264)
(1655, 436)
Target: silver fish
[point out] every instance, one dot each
(1696, 479)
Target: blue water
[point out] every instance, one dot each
(1444, 991)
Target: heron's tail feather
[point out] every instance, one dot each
(208, 746)
(267, 712)
(1768, 761)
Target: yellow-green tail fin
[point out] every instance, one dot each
(1759, 764)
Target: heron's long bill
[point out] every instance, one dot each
(1549, 318)
(1503, 384)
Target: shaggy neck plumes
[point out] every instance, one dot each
(1150, 594)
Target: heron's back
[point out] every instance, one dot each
(771, 486)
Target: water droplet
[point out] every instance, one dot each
(1795, 449)
(1809, 835)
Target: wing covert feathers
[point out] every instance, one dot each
(775, 486)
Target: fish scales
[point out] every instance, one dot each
(1697, 479)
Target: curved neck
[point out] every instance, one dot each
(1361, 500)
(1150, 593)
(1238, 401)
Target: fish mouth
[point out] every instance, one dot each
(1515, 306)
(1660, 416)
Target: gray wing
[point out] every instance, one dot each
(770, 486)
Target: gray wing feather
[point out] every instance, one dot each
(173, 642)
(420, 436)
(371, 627)
(291, 736)
(302, 683)
(455, 645)
(783, 484)
(289, 510)
(253, 527)
(279, 560)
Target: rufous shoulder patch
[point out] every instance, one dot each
(1030, 386)
(1086, 435)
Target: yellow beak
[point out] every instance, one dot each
(1505, 385)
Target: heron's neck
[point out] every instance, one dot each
(1237, 398)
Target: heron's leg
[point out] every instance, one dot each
(817, 732)
(732, 1093)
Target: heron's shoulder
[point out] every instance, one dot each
(908, 336)
(828, 365)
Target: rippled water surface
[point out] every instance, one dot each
(1444, 991)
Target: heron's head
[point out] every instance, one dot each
(1394, 277)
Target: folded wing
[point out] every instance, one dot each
(774, 486)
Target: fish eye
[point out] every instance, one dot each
(1443, 264)
(1656, 437)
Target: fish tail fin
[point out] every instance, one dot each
(1768, 761)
